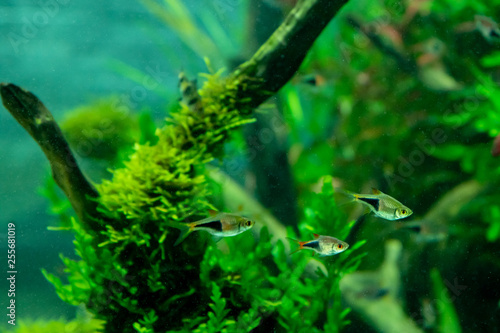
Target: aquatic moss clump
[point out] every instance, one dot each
(130, 274)
(100, 130)
(160, 181)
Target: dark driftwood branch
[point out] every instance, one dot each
(268, 161)
(30, 112)
(280, 57)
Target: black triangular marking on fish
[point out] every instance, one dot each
(215, 225)
(312, 245)
(494, 33)
(415, 228)
(372, 202)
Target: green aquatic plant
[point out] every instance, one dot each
(419, 139)
(448, 318)
(103, 282)
(130, 261)
(79, 325)
(129, 274)
(289, 291)
(101, 130)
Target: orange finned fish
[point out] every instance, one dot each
(323, 245)
(219, 225)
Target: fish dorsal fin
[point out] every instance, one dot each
(375, 191)
(212, 212)
(316, 236)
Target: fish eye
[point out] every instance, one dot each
(248, 223)
(340, 246)
(404, 212)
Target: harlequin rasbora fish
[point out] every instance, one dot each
(381, 204)
(219, 225)
(323, 245)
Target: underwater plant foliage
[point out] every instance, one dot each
(79, 325)
(283, 289)
(129, 264)
(416, 132)
(419, 132)
(132, 265)
(101, 129)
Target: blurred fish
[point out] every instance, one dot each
(323, 245)
(434, 75)
(189, 92)
(372, 293)
(315, 80)
(495, 150)
(219, 225)
(488, 28)
(425, 231)
(381, 204)
(430, 51)
(428, 313)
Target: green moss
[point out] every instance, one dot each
(102, 129)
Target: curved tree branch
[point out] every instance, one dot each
(30, 112)
(280, 56)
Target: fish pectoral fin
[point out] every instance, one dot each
(216, 239)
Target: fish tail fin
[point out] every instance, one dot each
(185, 228)
(299, 243)
(347, 196)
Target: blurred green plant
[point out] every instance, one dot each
(79, 325)
(203, 32)
(298, 300)
(448, 319)
(418, 130)
(102, 129)
(406, 101)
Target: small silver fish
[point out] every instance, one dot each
(323, 245)
(382, 205)
(219, 225)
